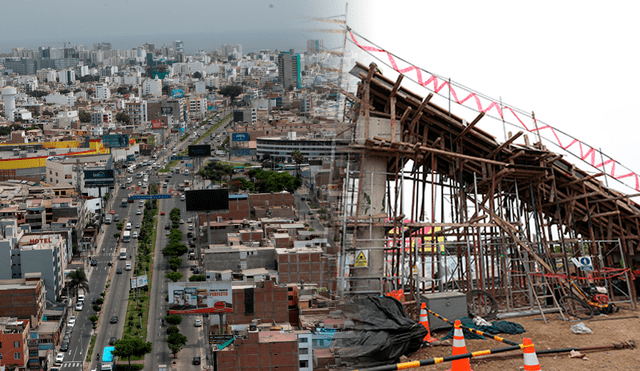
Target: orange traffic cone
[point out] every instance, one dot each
(531, 362)
(424, 320)
(459, 348)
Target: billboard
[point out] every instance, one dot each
(207, 199)
(177, 93)
(166, 110)
(115, 140)
(200, 150)
(94, 178)
(200, 297)
(156, 124)
(139, 281)
(240, 137)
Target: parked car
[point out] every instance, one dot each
(71, 323)
(64, 346)
(60, 358)
(79, 306)
(196, 360)
(198, 322)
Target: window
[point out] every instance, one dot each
(67, 176)
(304, 364)
(17, 356)
(303, 340)
(303, 351)
(16, 344)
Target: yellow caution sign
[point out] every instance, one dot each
(415, 269)
(361, 259)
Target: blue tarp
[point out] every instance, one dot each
(107, 357)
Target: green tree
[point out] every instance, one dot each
(297, 157)
(172, 330)
(197, 278)
(272, 181)
(84, 116)
(174, 263)
(231, 91)
(173, 319)
(176, 342)
(94, 320)
(123, 117)
(174, 276)
(78, 280)
(132, 346)
(216, 171)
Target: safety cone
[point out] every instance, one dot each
(424, 320)
(459, 348)
(531, 362)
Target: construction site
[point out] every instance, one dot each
(435, 210)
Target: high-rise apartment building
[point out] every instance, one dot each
(315, 46)
(289, 70)
(228, 49)
(102, 91)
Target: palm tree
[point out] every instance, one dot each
(78, 280)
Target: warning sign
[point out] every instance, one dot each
(361, 259)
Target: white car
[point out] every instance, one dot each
(81, 298)
(198, 322)
(139, 184)
(79, 306)
(134, 235)
(138, 212)
(190, 227)
(60, 358)
(71, 323)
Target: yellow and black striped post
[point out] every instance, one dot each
(438, 360)
(481, 333)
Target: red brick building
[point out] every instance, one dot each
(264, 300)
(261, 351)
(13, 342)
(23, 298)
(308, 264)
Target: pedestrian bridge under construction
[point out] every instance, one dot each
(433, 203)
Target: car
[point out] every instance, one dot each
(71, 323)
(193, 267)
(118, 271)
(139, 184)
(81, 298)
(198, 322)
(168, 175)
(94, 263)
(112, 340)
(189, 234)
(162, 213)
(66, 338)
(94, 301)
(123, 186)
(196, 360)
(134, 235)
(79, 306)
(64, 346)
(164, 185)
(116, 218)
(196, 270)
(182, 161)
(167, 233)
(181, 221)
(114, 319)
(138, 212)
(112, 212)
(190, 227)
(137, 225)
(189, 220)
(60, 358)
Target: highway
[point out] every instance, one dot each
(118, 292)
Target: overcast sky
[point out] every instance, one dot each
(575, 64)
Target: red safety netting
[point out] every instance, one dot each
(586, 152)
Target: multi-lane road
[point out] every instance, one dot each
(115, 303)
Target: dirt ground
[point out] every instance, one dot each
(553, 335)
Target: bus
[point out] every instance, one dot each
(238, 169)
(126, 236)
(123, 254)
(123, 202)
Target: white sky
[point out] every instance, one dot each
(573, 63)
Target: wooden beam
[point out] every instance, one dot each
(574, 198)
(418, 114)
(505, 144)
(396, 86)
(469, 127)
(589, 177)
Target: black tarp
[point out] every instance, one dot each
(382, 333)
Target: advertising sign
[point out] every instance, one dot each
(240, 137)
(166, 110)
(115, 140)
(200, 150)
(207, 199)
(177, 93)
(200, 297)
(156, 124)
(139, 281)
(94, 178)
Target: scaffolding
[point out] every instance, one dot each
(432, 203)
